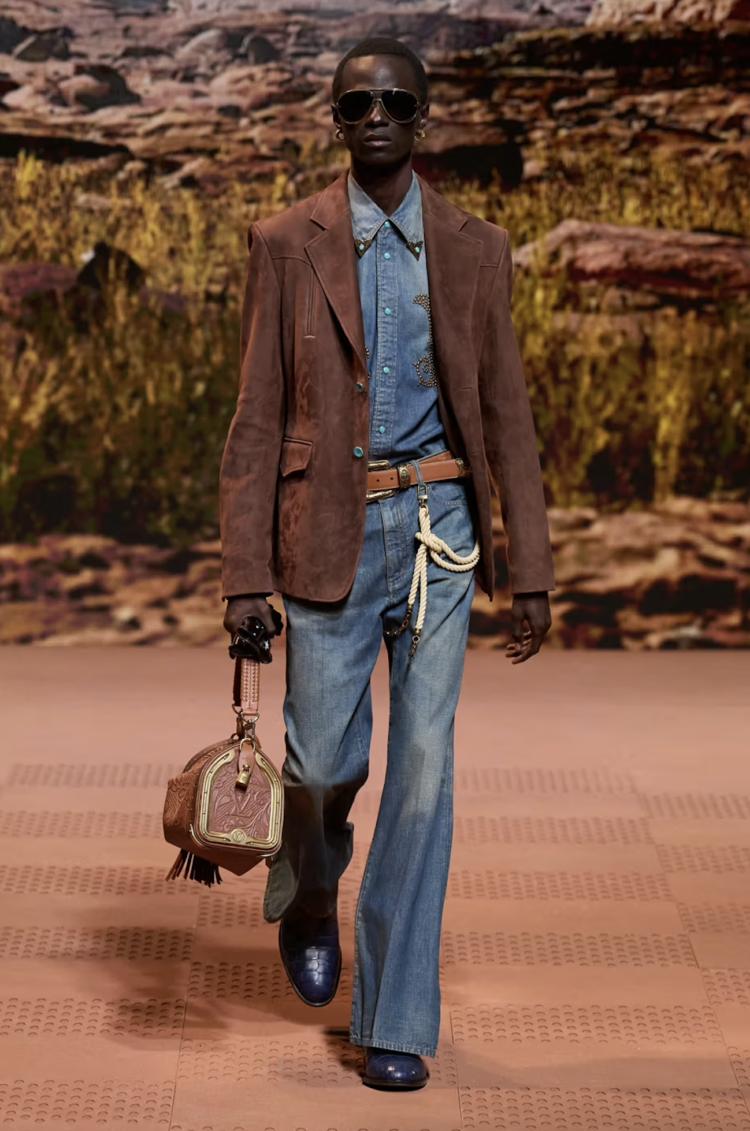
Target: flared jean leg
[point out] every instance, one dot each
(331, 651)
(396, 1001)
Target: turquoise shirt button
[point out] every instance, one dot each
(388, 310)
(386, 369)
(381, 429)
(387, 223)
(387, 255)
(417, 248)
(358, 453)
(360, 387)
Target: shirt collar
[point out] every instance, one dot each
(368, 217)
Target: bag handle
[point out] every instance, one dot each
(250, 647)
(246, 688)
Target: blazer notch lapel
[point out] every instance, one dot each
(453, 269)
(333, 260)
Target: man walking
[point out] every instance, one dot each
(381, 397)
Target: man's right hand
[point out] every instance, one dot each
(240, 607)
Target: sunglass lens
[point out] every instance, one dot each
(400, 105)
(355, 105)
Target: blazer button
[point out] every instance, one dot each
(360, 387)
(358, 453)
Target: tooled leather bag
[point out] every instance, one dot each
(226, 808)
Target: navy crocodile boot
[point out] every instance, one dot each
(311, 955)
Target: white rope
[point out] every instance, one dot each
(435, 547)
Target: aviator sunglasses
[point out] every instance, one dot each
(401, 106)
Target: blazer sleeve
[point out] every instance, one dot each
(250, 463)
(510, 442)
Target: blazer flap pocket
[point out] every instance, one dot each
(295, 455)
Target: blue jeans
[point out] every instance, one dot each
(331, 652)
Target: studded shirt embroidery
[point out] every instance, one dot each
(425, 367)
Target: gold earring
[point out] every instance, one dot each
(421, 134)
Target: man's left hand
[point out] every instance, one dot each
(531, 620)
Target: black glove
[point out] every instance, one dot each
(251, 641)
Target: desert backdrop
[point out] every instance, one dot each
(139, 138)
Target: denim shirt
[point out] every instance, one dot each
(405, 420)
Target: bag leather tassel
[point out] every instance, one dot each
(195, 868)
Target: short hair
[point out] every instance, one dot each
(381, 45)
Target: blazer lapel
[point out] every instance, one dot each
(453, 260)
(333, 259)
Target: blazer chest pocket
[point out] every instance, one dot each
(295, 455)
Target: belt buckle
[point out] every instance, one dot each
(386, 492)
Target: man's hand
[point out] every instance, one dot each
(240, 607)
(531, 620)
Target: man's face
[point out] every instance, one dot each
(377, 140)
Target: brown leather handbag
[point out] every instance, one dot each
(226, 808)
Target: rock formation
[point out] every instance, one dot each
(673, 576)
(690, 266)
(236, 91)
(622, 13)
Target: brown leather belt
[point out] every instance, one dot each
(384, 480)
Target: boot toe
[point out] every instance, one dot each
(313, 966)
(387, 1069)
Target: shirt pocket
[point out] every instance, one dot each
(295, 455)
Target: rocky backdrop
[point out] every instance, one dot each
(202, 92)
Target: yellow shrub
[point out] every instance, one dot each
(121, 429)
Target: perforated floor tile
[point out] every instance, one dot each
(77, 775)
(727, 987)
(729, 918)
(591, 886)
(700, 807)
(222, 914)
(249, 981)
(71, 1017)
(574, 859)
(716, 859)
(96, 880)
(565, 1109)
(79, 1102)
(562, 917)
(544, 806)
(595, 967)
(551, 830)
(134, 943)
(623, 1024)
(573, 949)
(541, 780)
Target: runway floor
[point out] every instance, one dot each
(596, 950)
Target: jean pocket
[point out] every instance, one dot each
(449, 493)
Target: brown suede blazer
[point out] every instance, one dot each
(292, 492)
